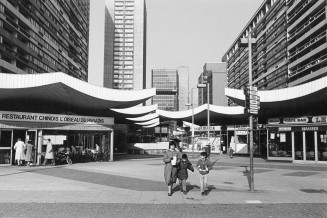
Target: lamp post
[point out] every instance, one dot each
(201, 86)
(248, 42)
(192, 104)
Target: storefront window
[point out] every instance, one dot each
(322, 146)
(280, 144)
(298, 145)
(310, 146)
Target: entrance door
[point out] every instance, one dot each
(310, 146)
(5, 146)
(31, 135)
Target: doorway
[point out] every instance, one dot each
(6, 138)
(31, 135)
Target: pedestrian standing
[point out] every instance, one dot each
(20, 151)
(172, 158)
(204, 166)
(49, 153)
(29, 152)
(182, 173)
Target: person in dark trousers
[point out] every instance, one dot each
(172, 158)
(204, 166)
(182, 173)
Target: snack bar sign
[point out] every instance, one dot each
(53, 118)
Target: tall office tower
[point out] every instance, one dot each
(184, 95)
(307, 47)
(43, 36)
(215, 74)
(118, 47)
(290, 45)
(166, 83)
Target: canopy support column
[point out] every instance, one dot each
(111, 146)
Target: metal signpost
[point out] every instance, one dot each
(252, 102)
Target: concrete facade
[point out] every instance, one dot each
(123, 59)
(290, 46)
(43, 36)
(216, 77)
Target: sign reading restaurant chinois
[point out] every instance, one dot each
(53, 118)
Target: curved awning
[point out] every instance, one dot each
(218, 114)
(305, 99)
(138, 110)
(67, 92)
(149, 122)
(145, 117)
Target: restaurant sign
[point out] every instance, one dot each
(10, 116)
(205, 128)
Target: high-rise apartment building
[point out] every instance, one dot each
(290, 45)
(43, 36)
(122, 63)
(215, 74)
(307, 47)
(166, 82)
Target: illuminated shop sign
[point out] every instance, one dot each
(296, 120)
(319, 119)
(53, 118)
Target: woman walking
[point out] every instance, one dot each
(29, 152)
(172, 158)
(49, 153)
(20, 151)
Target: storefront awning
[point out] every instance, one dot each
(63, 92)
(305, 99)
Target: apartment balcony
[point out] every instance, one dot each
(309, 67)
(304, 48)
(320, 16)
(307, 34)
(293, 15)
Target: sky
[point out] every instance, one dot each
(193, 32)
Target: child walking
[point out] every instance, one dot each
(182, 173)
(204, 166)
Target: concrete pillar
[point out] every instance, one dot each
(112, 145)
(39, 146)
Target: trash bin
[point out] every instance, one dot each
(207, 149)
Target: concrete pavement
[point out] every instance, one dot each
(140, 181)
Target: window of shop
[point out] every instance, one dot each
(280, 144)
(298, 145)
(322, 146)
(310, 146)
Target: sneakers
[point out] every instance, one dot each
(184, 192)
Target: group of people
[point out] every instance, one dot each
(177, 166)
(24, 152)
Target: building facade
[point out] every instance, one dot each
(166, 82)
(184, 95)
(121, 53)
(43, 36)
(290, 46)
(216, 77)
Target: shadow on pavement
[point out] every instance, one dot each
(34, 169)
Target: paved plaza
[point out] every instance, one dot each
(130, 181)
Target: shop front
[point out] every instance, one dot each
(298, 139)
(238, 139)
(82, 132)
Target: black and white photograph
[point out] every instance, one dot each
(163, 108)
